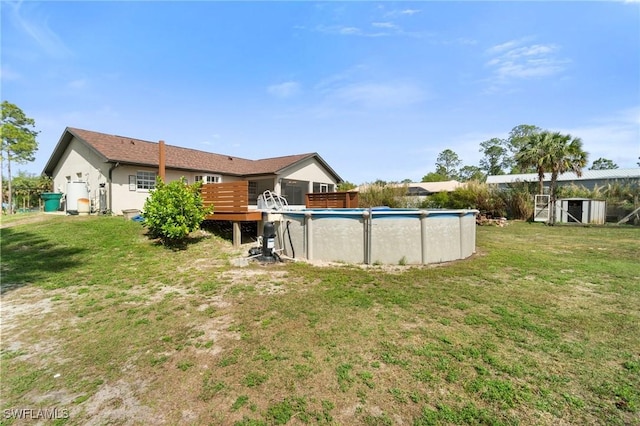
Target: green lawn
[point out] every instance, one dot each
(542, 326)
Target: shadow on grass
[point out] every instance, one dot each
(177, 245)
(28, 258)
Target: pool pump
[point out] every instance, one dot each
(267, 252)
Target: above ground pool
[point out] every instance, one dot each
(377, 235)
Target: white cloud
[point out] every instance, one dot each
(284, 90)
(8, 74)
(513, 60)
(80, 83)
(359, 87)
(401, 12)
(37, 28)
(379, 95)
(389, 25)
(354, 31)
(497, 49)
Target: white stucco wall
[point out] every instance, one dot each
(309, 170)
(124, 198)
(79, 163)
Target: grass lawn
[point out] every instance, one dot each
(541, 326)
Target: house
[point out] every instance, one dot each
(421, 189)
(120, 171)
(589, 179)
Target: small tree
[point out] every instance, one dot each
(603, 164)
(496, 156)
(447, 164)
(18, 142)
(468, 173)
(434, 177)
(346, 186)
(518, 138)
(174, 210)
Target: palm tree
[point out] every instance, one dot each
(534, 153)
(555, 153)
(567, 156)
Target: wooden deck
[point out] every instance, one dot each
(230, 201)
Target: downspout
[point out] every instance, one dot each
(110, 186)
(161, 160)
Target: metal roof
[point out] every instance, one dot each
(569, 176)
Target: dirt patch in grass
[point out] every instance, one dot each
(119, 403)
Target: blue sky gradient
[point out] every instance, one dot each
(378, 89)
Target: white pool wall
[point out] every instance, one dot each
(392, 236)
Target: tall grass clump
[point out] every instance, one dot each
(471, 195)
(580, 191)
(384, 194)
(518, 200)
(625, 194)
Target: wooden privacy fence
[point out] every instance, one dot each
(331, 200)
(227, 197)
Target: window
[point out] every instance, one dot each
(145, 180)
(253, 190)
(209, 178)
(320, 187)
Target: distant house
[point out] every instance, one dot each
(120, 171)
(422, 189)
(428, 188)
(589, 179)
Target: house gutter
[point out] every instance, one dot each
(110, 186)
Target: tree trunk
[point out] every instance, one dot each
(552, 190)
(541, 186)
(1, 187)
(9, 197)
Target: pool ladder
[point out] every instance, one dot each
(272, 201)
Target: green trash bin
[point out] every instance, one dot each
(51, 201)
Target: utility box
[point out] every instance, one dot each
(51, 201)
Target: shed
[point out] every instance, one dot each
(581, 210)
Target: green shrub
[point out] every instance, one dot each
(439, 200)
(173, 210)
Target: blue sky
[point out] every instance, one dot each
(378, 89)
